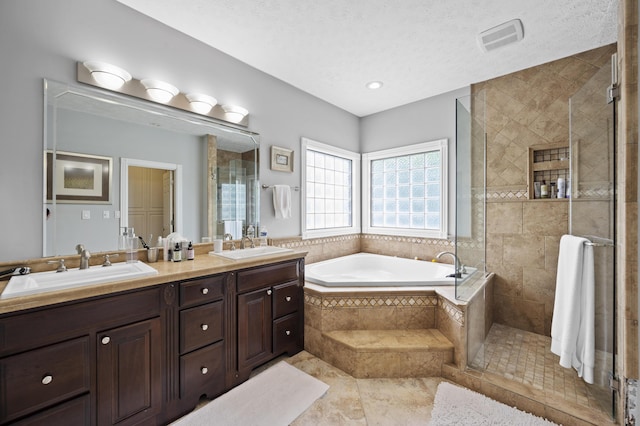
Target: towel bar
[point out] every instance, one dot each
(603, 242)
(295, 188)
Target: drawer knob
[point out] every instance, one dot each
(204, 370)
(269, 292)
(105, 340)
(47, 379)
(288, 333)
(205, 291)
(204, 327)
(288, 298)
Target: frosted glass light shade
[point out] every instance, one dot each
(107, 75)
(200, 103)
(234, 113)
(159, 91)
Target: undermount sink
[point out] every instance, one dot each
(22, 285)
(251, 252)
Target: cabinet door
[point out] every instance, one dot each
(254, 328)
(129, 387)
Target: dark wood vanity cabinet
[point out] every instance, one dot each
(269, 314)
(90, 362)
(147, 356)
(202, 343)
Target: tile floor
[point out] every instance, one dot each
(351, 401)
(526, 358)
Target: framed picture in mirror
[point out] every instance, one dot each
(281, 159)
(79, 178)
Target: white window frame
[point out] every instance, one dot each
(437, 145)
(355, 228)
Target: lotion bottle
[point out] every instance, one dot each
(190, 252)
(544, 190)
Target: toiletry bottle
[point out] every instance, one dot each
(561, 188)
(552, 190)
(263, 231)
(250, 231)
(544, 190)
(177, 253)
(190, 252)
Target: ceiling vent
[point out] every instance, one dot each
(502, 35)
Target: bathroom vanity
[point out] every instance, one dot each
(145, 351)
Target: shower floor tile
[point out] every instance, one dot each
(525, 357)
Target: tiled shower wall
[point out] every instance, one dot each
(526, 108)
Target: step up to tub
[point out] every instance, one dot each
(388, 353)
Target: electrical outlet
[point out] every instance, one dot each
(116, 214)
(105, 214)
(86, 214)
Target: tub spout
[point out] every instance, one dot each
(460, 269)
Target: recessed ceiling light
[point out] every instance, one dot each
(374, 85)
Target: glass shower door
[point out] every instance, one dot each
(592, 213)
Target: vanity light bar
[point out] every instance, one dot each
(161, 92)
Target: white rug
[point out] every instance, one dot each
(275, 397)
(455, 405)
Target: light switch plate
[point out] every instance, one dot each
(86, 214)
(105, 214)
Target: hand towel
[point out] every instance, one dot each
(573, 324)
(282, 201)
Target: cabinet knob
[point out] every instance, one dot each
(288, 333)
(204, 370)
(288, 298)
(105, 340)
(47, 379)
(204, 327)
(269, 292)
(205, 291)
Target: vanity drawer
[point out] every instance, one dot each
(203, 371)
(201, 326)
(265, 276)
(42, 377)
(74, 412)
(285, 333)
(286, 298)
(202, 290)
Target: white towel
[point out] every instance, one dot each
(573, 324)
(282, 201)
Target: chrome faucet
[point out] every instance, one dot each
(246, 237)
(85, 255)
(460, 269)
(229, 237)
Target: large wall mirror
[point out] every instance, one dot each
(112, 161)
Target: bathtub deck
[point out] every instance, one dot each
(389, 353)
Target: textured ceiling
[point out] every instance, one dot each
(418, 48)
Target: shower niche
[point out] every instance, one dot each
(547, 163)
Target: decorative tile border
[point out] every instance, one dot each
(507, 194)
(298, 242)
(409, 240)
(452, 311)
(371, 301)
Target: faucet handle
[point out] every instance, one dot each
(61, 266)
(107, 261)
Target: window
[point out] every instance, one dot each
(331, 190)
(405, 190)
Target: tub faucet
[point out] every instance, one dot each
(85, 255)
(246, 237)
(460, 269)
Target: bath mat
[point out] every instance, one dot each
(455, 405)
(277, 396)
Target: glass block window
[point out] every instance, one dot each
(405, 190)
(331, 201)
